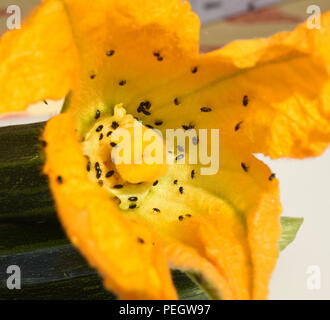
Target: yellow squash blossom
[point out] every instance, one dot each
(121, 59)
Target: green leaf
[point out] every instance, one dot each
(290, 227)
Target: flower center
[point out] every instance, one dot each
(124, 157)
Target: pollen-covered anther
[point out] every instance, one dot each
(140, 156)
(123, 151)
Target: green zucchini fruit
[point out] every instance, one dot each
(24, 191)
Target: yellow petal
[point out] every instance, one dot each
(188, 259)
(229, 220)
(150, 43)
(264, 233)
(267, 96)
(123, 251)
(286, 116)
(286, 81)
(39, 61)
(259, 90)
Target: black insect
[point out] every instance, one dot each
(245, 167)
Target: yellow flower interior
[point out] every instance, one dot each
(130, 179)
